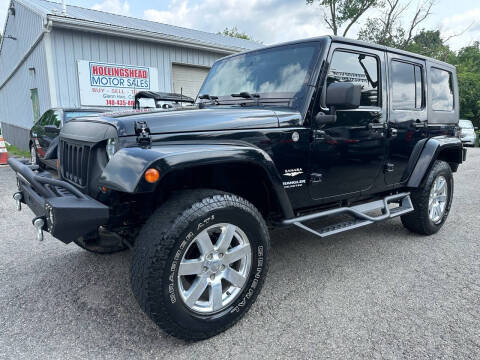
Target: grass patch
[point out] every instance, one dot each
(14, 151)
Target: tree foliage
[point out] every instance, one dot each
(234, 32)
(339, 14)
(468, 71)
(431, 44)
(392, 28)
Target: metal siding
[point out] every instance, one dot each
(15, 103)
(26, 26)
(69, 46)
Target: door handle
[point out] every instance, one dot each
(377, 126)
(420, 124)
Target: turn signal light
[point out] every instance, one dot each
(152, 175)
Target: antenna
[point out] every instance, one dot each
(64, 7)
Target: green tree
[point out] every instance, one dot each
(392, 28)
(343, 13)
(431, 44)
(233, 32)
(468, 71)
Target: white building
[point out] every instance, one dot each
(52, 56)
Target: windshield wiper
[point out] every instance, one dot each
(246, 95)
(213, 99)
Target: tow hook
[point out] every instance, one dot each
(18, 199)
(39, 223)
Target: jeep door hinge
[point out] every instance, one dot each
(143, 133)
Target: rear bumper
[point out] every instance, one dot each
(68, 214)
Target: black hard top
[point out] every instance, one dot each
(359, 43)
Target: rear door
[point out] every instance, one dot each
(407, 114)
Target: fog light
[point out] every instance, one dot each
(152, 175)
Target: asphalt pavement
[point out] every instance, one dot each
(375, 292)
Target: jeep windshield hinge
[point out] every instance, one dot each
(143, 133)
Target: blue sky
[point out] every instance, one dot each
(272, 21)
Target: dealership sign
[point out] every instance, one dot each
(112, 84)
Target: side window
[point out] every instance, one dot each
(45, 119)
(56, 119)
(359, 69)
(407, 86)
(442, 90)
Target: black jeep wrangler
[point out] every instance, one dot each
(279, 137)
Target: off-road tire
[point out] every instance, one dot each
(161, 244)
(418, 221)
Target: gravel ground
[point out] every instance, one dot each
(377, 292)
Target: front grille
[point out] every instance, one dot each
(75, 159)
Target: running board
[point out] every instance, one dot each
(359, 212)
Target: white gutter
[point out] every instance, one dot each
(85, 25)
(52, 85)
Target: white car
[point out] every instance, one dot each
(467, 132)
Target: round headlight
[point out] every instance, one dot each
(111, 148)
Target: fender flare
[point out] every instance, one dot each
(430, 153)
(125, 171)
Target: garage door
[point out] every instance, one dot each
(188, 79)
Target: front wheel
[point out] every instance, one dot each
(200, 262)
(432, 201)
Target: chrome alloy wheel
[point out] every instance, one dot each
(33, 155)
(438, 199)
(215, 268)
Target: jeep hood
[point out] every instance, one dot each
(189, 120)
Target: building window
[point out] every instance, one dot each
(358, 69)
(407, 86)
(442, 90)
(35, 104)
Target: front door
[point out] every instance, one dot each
(348, 156)
(407, 114)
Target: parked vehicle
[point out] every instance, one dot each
(281, 136)
(160, 100)
(44, 134)
(467, 132)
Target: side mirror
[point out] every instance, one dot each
(344, 95)
(476, 128)
(51, 128)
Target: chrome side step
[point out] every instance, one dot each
(359, 212)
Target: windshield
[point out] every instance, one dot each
(281, 72)
(73, 114)
(466, 124)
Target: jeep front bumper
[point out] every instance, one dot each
(59, 207)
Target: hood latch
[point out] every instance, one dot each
(143, 133)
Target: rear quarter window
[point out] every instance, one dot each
(442, 90)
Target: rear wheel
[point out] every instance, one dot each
(200, 262)
(432, 201)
